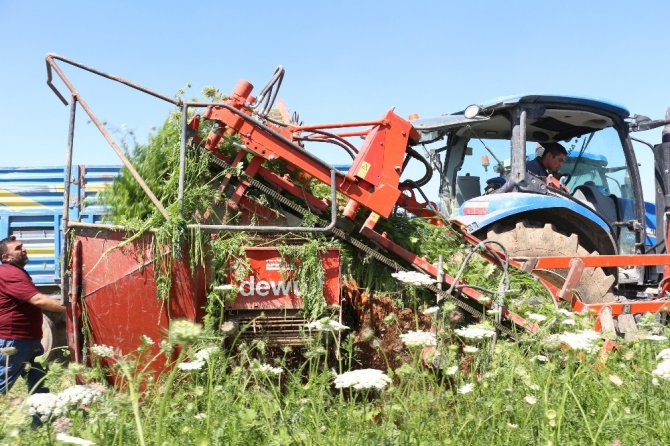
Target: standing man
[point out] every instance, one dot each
(551, 160)
(21, 306)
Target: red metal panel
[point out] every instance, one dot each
(270, 285)
(119, 292)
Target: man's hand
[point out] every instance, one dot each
(46, 303)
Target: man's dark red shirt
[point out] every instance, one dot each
(18, 318)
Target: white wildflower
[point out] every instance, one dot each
(103, 351)
(414, 278)
(326, 324)
(568, 322)
(44, 406)
(663, 354)
(581, 340)
(183, 331)
(530, 399)
(537, 317)
(566, 313)
(512, 425)
(194, 365)
(466, 388)
(475, 332)
(418, 339)
(616, 380)
(204, 354)
(362, 379)
(534, 387)
(146, 340)
(655, 381)
(541, 358)
(267, 369)
(7, 351)
(69, 439)
(230, 327)
(431, 311)
(653, 337)
(201, 416)
(662, 370)
(470, 349)
(452, 370)
(81, 394)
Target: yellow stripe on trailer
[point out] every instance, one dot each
(40, 250)
(18, 203)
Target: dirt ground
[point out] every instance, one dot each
(377, 338)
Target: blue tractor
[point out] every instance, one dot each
(594, 205)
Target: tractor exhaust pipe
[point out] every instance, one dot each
(666, 129)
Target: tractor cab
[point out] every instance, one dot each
(484, 178)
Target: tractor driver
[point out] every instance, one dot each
(551, 160)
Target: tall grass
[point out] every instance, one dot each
(517, 393)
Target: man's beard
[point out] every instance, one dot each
(20, 262)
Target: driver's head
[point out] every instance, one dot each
(553, 156)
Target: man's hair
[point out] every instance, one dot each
(554, 148)
(4, 245)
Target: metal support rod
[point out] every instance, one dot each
(102, 129)
(66, 200)
(282, 229)
(50, 63)
(182, 157)
(518, 161)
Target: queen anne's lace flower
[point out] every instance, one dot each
(586, 340)
(662, 370)
(267, 369)
(541, 358)
(452, 370)
(69, 439)
(146, 340)
(205, 353)
(414, 278)
(183, 331)
(475, 332)
(466, 388)
(326, 324)
(470, 349)
(616, 380)
(418, 339)
(194, 365)
(568, 322)
(653, 337)
(530, 399)
(431, 311)
(103, 351)
(81, 394)
(663, 354)
(537, 317)
(362, 379)
(45, 405)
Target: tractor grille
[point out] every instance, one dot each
(276, 327)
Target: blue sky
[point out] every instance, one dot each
(345, 61)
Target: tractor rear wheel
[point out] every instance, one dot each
(536, 239)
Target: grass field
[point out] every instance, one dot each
(536, 391)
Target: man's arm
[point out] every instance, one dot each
(46, 303)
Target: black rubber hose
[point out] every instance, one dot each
(411, 184)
